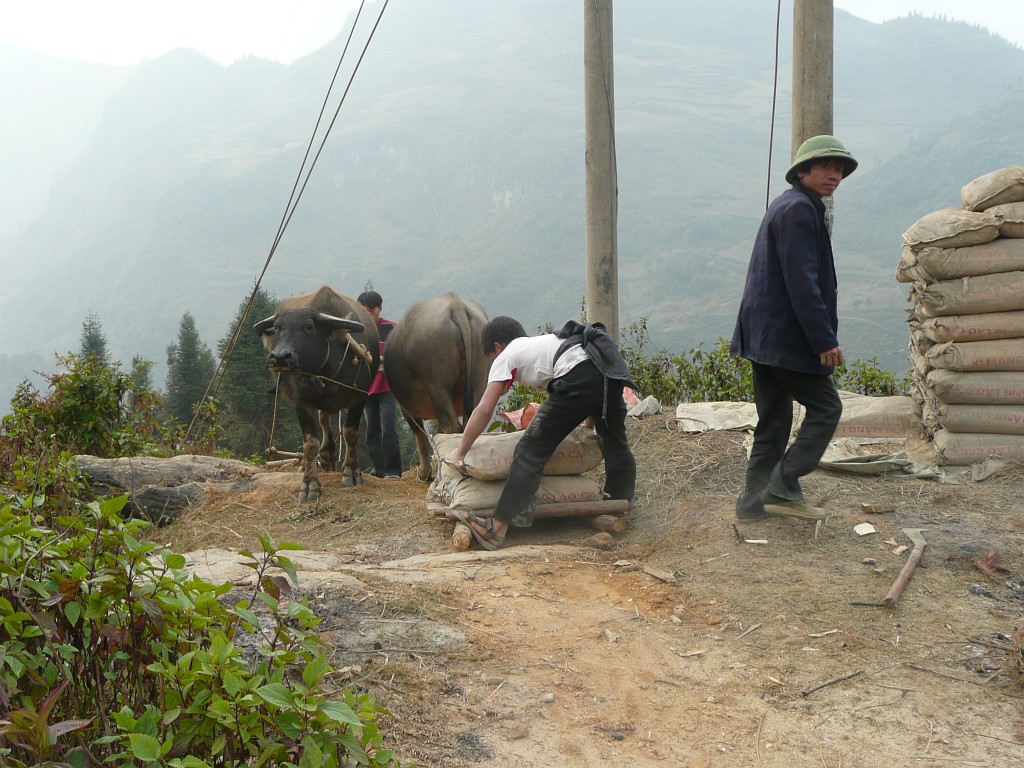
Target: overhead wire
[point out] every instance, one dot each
(296, 195)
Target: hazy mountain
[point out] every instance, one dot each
(456, 163)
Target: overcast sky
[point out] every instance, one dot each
(127, 31)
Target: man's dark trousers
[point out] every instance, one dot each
(382, 435)
(771, 465)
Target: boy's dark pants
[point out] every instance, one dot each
(571, 399)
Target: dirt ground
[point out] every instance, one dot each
(554, 653)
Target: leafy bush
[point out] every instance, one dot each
(114, 653)
(89, 408)
(866, 378)
(694, 376)
(703, 376)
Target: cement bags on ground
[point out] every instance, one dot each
(863, 416)
(491, 454)
(967, 320)
(454, 489)
(488, 463)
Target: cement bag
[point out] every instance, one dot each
(865, 416)
(970, 295)
(457, 490)
(994, 387)
(1012, 217)
(919, 363)
(952, 228)
(930, 264)
(983, 327)
(909, 269)
(987, 419)
(1002, 355)
(961, 450)
(919, 341)
(491, 454)
(1003, 186)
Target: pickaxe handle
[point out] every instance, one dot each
(901, 581)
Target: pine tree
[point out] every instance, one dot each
(190, 367)
(247, 387)
(93, 342)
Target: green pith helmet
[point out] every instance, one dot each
(819, 148)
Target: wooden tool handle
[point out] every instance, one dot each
(901, 581)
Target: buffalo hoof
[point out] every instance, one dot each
(308, 497)
(347, 481)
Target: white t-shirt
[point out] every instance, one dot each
(528, 359)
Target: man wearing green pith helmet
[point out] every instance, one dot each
(787, 327)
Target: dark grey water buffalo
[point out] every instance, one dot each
(436, 366)
(324, 346)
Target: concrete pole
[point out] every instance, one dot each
(812, 69)
(813, 23)
(601, 175)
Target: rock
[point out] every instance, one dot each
(603, 541)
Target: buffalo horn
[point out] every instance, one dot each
(262, 325)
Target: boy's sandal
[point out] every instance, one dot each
(489, 540)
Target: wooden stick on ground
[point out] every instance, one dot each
(559, 509)
(461, 538)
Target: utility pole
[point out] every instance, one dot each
(812, 69)
(813, 23)
(601, 175)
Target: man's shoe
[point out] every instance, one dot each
(799, 509)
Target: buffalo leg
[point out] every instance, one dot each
(311, 442)
(447, 418)
(328, 445)
(351, 473)
(425, 469)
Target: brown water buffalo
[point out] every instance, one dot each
(324, 346)
(436, 366)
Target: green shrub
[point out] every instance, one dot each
(113, 653)
(866, 378)
(694, 376)
(89, 408)
(704, 376)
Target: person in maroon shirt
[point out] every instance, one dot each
(381, 428)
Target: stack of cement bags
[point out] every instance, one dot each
(487, 466)
(967, 320)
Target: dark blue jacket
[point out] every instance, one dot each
(789, 313)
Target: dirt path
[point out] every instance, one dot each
(553, 653)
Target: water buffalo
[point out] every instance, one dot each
(324, 346)
(436, 366)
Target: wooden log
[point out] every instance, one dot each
(609, 523)
(461, 538)
(559, 509)
(281, 463)
(289, 454)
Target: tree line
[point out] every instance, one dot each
(233, 411)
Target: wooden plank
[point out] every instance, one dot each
(559, 509)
